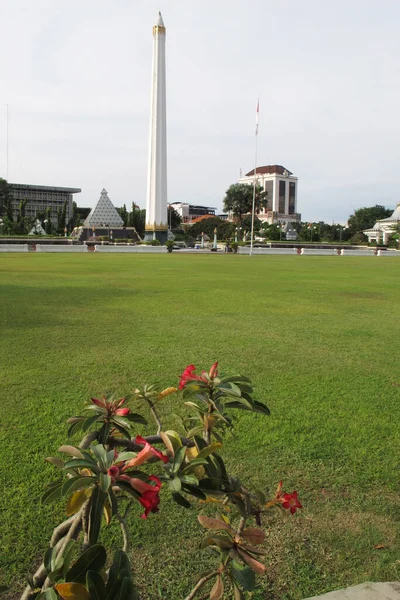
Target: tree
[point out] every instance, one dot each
(137, 219)
(174, 218)
(23, 223)
(75, 217)
(365, 218)
(62, 218)
(6, 200)
(246, 223)
(225, 229)
(123, 213)
(239, 200)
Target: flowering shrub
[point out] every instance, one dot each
(112, 468)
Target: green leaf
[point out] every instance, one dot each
(48, 594)
(89, 422)
(82, 463)
(53, 493)
(211, 484)
(101, 455)
(179, 499)
(93, 559)
(49, 559)
(96, 513)
(95, 585)
(175, 484)
(178, 458)
(75, 427)
(243, 575)
(67, 485)
(194, 491)
(104, 433)
(136, 418)
(196, 462)
(105, 482)
(259, 407)
(67, 555)
(230, 389)
(209, 449)
(120, 563)
(126, 456)
(128, 590)
(113, 502)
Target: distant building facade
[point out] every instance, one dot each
(188, 212)
(40, 198)
(281, 186)
(384, 228)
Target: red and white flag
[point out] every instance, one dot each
(257, 115)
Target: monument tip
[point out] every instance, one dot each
(159, 22)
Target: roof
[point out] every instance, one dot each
(45, 188)
(104, 213)
(269, 170)
(202, 217)
(395, 216)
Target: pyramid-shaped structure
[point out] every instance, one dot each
(104, 214)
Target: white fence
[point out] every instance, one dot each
(59, 248)
(246, 250)
(319, 251)
(13, 247)
(136, 249)
(345, 252)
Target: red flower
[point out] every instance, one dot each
(188, 375)
(149, 497)
(144, 455)
(290, 501)
(113, 471)
(122, 412)
(213, 371)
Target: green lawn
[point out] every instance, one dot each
(319, 336)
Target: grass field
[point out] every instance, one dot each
(320, 338)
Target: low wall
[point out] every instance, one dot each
(344, 252)
(54, 248)
(320, 251)
(246, 250)
(14, 248)
(130, 249)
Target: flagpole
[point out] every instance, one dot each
(254, 182)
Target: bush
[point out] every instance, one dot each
(112, 469)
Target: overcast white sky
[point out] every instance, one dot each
(76, 75)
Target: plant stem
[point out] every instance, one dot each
(113, 442)
(200, 583)
(155, 415)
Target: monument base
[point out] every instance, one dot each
(161, 235)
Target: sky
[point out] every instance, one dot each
(76, 77)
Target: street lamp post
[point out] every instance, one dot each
(1, 226)
(202, 239)
(65, 232)
(236, 235)
(215, 239)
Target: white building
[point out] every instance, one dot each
(383, 229)
(281, 186)
(188, 212)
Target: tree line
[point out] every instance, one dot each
(238, 202)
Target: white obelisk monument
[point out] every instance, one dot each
(156, 204)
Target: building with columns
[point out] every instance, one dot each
(384, 228)
(281, 187)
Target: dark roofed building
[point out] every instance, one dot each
(40, 198)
